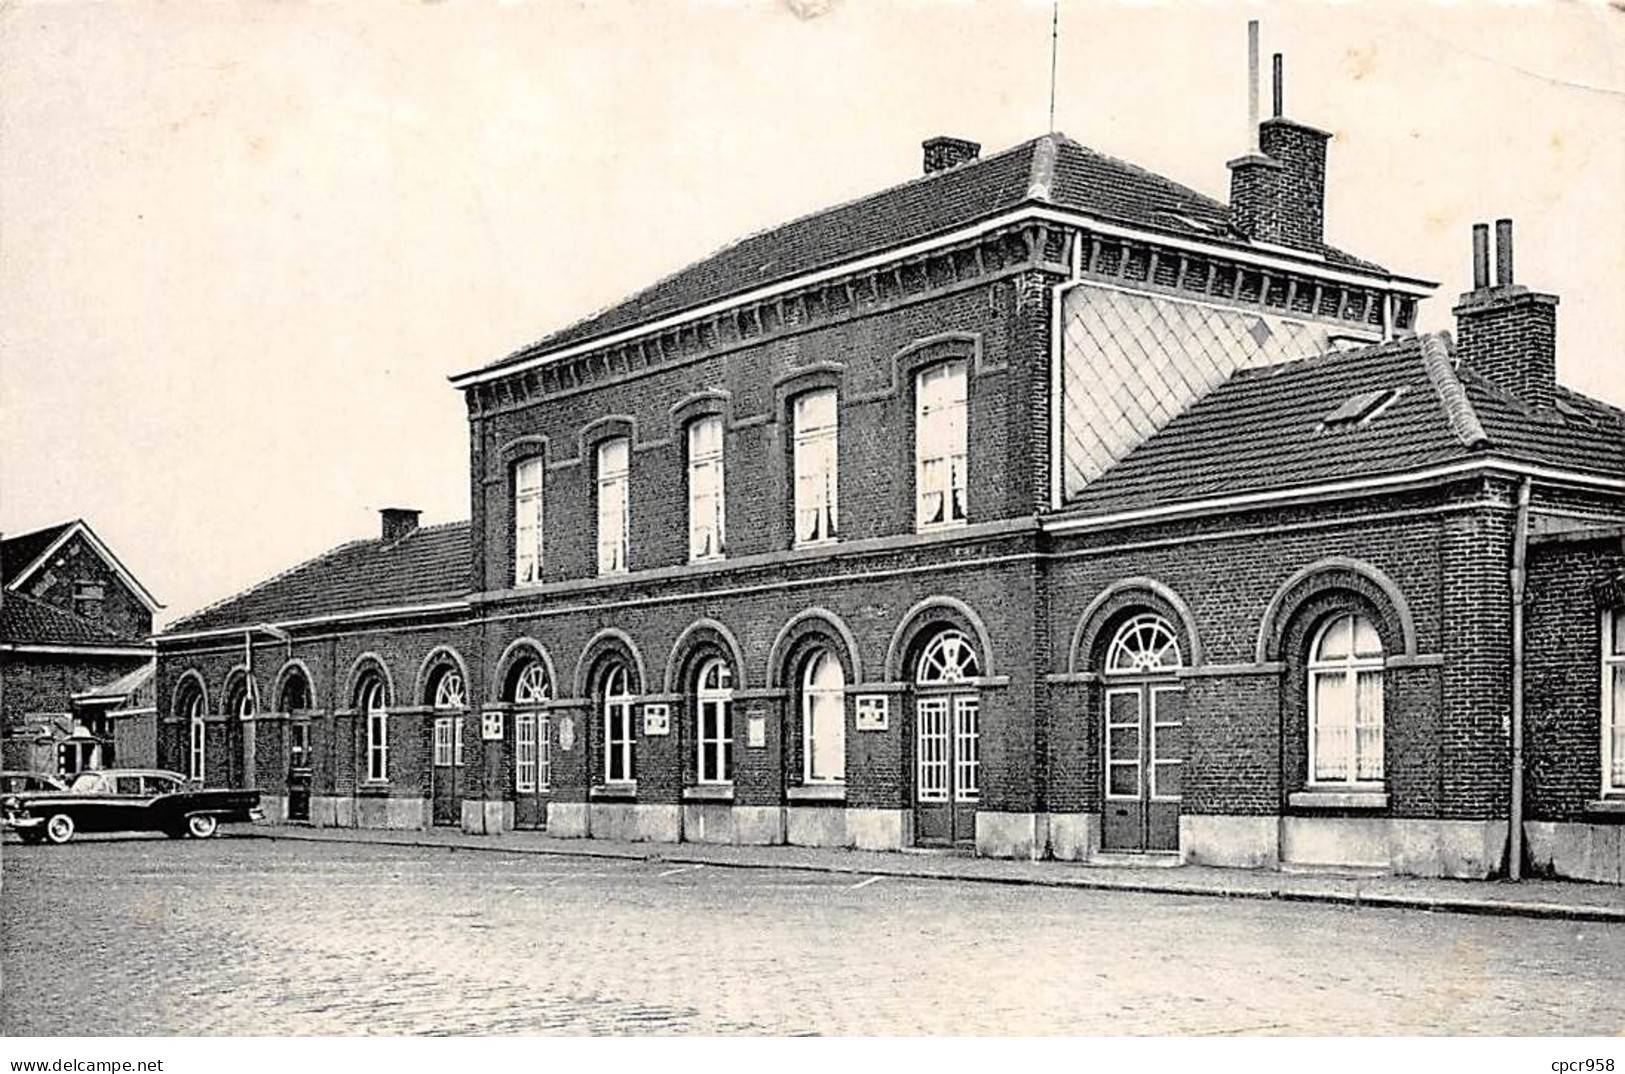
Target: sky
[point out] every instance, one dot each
(242, 246)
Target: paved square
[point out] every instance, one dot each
(250, 936)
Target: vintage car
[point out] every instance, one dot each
(126, 800)
(17, 782)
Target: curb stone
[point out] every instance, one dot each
(1350, 899)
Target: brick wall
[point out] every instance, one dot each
(1563, 676)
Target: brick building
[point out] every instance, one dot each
(74, 625)
(1038, 505)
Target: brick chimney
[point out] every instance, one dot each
(1278, 190)
(1507, 333)
(942, 153)
(398, 522)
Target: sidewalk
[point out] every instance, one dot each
(1556, 899)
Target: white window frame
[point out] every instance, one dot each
(1613, 719)
(527, 521)
(941, 445)
(713, 724)
(376, 715)
(816, 465)
(617, 701)
(614, 504)
(1350, 667)
(197, 739)
(834, 697)
(707, 521)
(299, 745)
(533, 755)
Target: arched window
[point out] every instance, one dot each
(240, 698)
(949, 658)
(940, 445)
(823, 719)
(707, 504)
(1144, 645)
(450, 696)
(195, 736)
(620, 753)
(295, 693)
(814, 435)
(714, 727)
(1345, 702)
(533, 763)
(376, 714)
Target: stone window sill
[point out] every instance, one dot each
(709, 792)
(615, 790)
(376, 787)
(817, 792)
(1611, 807)
(1320, 799)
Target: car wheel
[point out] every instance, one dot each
(201, 826)
(59, 829)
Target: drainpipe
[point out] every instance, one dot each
(1520, 545)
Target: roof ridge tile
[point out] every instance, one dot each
(1439, 364)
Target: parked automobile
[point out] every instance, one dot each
(18, 782)
(126, 800)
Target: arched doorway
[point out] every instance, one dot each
(294, 703)
(947, 741)
(1144, 737)
(450, 697)
(529, 693)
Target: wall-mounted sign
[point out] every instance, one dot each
(657, 719)
(756, 730)
(874, 712)
(567, 734)
(491, 726)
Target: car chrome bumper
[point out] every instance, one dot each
(21, 823)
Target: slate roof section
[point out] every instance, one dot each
(26, 621)
(1262, 430)
(428, 566)
(1050, 170)
(17, 553)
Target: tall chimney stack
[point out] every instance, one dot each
(1278, 190)
(1506, 333)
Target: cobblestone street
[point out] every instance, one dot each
(241, 936)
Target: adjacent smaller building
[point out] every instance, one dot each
(76, 660)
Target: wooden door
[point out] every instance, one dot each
(447, 804)
(947, 768)
(1143, 745)
(531, 770)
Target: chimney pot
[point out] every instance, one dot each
(1279, 86)
(1481, 256)
(397, 522)
(943, 152)
(1503, 252)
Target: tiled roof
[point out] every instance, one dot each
(26, 621)
(1262, 430)
(16, 553)
(122, 687)
(427, 566)
(1051, 170)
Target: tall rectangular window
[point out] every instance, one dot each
(1613, 702)
(614, 463)
(527, 522)
(940, 445)
(815, 432)
(524, 760)
(706, 504)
